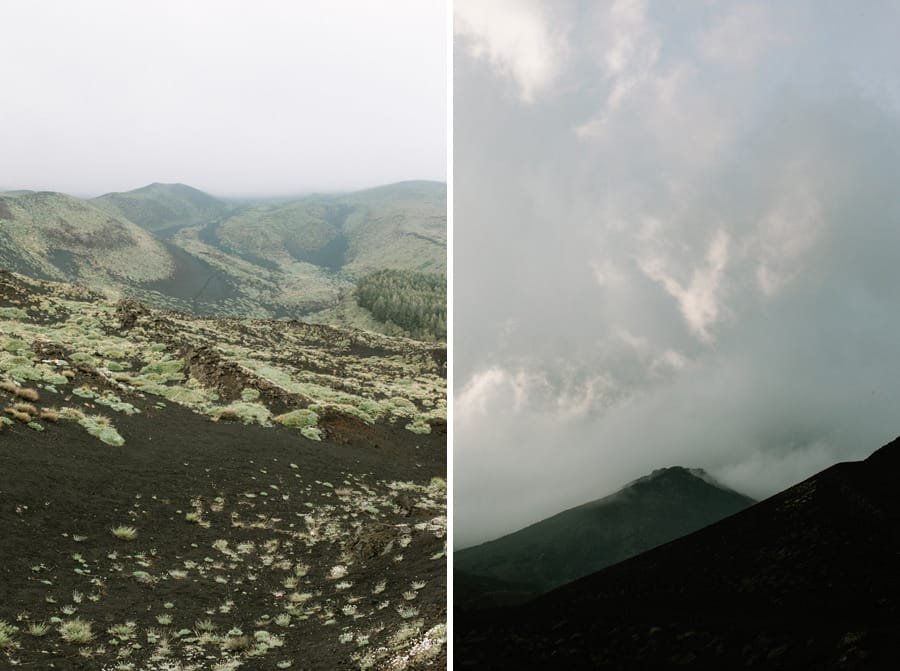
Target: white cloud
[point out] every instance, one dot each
(518, 38)
(472, 401)
(491, 388)
(778, 470)
(700, 299)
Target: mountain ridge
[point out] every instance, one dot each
(644, 513)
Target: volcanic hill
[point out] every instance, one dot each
(655, 509)
(807, 579)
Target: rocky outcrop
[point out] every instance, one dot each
(129, 312)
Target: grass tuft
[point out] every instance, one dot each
(49, 415)
(76, 631)
(124, 533)
(7, 640)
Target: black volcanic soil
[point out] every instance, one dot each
(62, 490)
(808, 579)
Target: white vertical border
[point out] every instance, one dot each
(450, 479)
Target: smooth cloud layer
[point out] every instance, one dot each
(683, 256)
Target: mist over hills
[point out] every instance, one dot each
(805, 579)
(176, 247)
(667, 504)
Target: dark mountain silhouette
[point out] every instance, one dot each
(650, 511)
(807, 579)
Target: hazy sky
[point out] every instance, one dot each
(676, 236)
(231, 96)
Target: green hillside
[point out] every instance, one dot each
(55, 236)
(164, 208)
(175, 247)
(401, 226)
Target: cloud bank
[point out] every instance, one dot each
(231, 97)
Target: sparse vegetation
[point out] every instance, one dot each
(274, 548)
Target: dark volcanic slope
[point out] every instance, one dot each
(669, 503)
(807, 579)
(271, 490)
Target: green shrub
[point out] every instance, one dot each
(248, 413)
(100, 427)
(298, 419)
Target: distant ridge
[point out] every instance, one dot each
(164, 208)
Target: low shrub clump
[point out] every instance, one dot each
(248, 413)
(101, 427)
(49, 415)
(28, 394)
(26, 408)
(298, 419)
(22, 417)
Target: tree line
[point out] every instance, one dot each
(416, 302)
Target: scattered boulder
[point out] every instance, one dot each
(47, 349)
(129, 312)
(372, 540)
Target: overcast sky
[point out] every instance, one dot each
(231, 96)
(676, 235)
